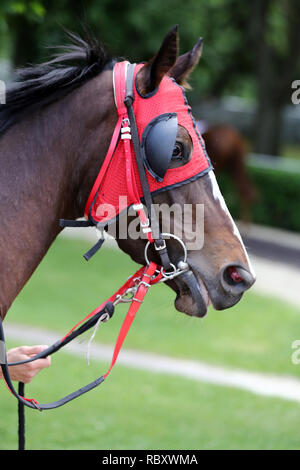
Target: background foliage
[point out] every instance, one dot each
(278, 197)
(135, 30)
(251, 50)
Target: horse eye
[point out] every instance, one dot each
(177, 151)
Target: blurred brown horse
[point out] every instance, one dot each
(227, 150)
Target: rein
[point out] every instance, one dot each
(136, 287)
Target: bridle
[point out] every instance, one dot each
(135, 288)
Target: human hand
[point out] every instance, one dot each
(26, 372)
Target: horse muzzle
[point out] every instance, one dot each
(192, 297)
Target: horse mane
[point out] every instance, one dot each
(37, 86)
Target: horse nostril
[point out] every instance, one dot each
(236, 279)
(234, 274)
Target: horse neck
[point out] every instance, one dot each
(49, 162)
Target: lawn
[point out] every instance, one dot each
(138, 409)
(291, 151)
(141, 410)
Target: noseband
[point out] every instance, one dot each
(138, 189)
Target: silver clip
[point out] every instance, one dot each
(122, 298)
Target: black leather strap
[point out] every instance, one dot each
(156, 233)
(109, 309)
(75, 223)
(87, 256)
(129, 82)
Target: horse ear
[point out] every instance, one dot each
(151, 74)
(185, 64)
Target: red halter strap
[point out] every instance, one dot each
(122, 128)
(119, 73)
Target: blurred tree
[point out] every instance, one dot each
(22, 18)
(275, 32)
(135, 29)
(250, 48)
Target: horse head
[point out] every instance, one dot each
(219, 268)
(56, 128)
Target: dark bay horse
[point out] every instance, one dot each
(55, 131)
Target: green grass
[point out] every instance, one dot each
(256, 334)
(136, 409)
(141, 410)
(291, 151)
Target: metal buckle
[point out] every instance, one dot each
(170, 235)
(182, 265)
(160, 247)
(126, 120)
(146, 284)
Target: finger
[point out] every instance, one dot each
(39, 364)
(21, 374)
(29, 371)
(19, 350)
(33, 350)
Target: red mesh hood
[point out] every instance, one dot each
(168, 98)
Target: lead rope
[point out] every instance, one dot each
(137, 287)
(21, 418)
